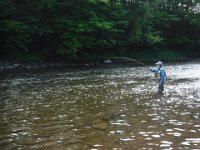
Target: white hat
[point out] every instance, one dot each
(159, 63)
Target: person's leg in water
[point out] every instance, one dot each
(160, 88)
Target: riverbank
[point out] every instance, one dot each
(12, 66)
(6, 66)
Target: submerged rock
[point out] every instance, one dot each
(87, 65)
(16, 65)
(100, 124)
(108, 61)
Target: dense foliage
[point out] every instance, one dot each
(49, 30)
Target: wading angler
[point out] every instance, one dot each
(160, 74)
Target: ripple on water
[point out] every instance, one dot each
(97, 146)
(166, 144)
(194, 140)
(191, 141)
(126, 139)
(117, 132)
(156, 135)
(120, 123)
(176, 134)
(48, 110)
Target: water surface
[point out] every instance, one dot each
(105, 108)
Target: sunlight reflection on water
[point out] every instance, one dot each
(106, 108)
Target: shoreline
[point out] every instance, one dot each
(14, 66)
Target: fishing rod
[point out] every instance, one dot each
(130, 59)
(133, 60)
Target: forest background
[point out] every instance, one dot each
(94, 30)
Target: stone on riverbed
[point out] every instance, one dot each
(108, 61)
(100, 124)
(16, 65)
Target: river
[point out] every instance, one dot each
(105, 108)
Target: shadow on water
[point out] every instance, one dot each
(107, 108)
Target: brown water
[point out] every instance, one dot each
(107, 108)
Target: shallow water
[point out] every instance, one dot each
(105, 108)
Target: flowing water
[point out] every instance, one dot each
(105, 108)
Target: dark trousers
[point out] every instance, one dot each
(160, 88)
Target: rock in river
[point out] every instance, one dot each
(100, 124)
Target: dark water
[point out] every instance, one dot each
(113, 108)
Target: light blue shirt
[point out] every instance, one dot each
(162, 73)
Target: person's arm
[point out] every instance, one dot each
(153, 70)
(162, 76)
